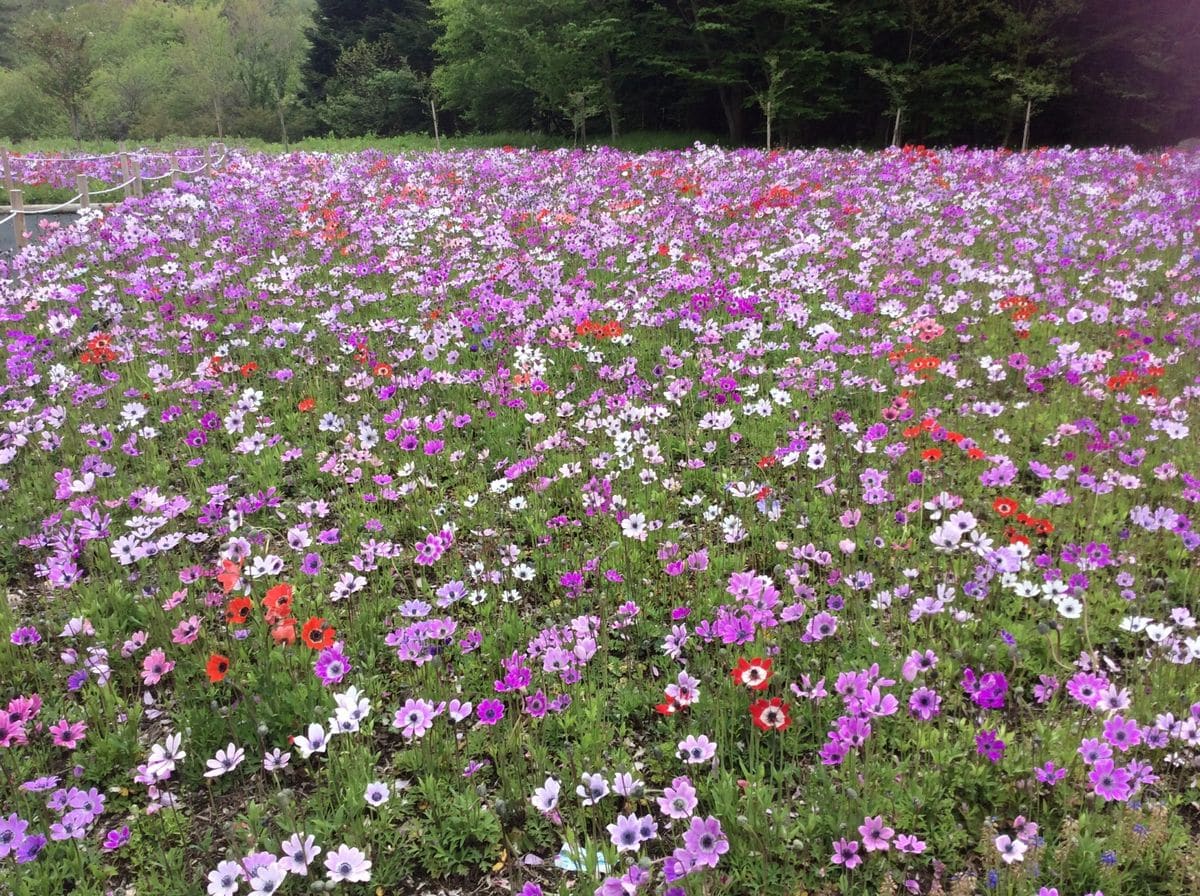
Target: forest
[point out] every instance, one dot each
(784, 73)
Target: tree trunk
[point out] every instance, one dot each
(734, 120)
(1028, 115)
(610, 99)
(437, 136)
(217, 115)
(768, 111)
(896, 126)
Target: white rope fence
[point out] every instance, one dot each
(132, 185)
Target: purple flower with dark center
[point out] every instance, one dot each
(25, 635)
(12, 833)
(490, 711)
(37, 785)
(332, 665)
(875, 834)
(706, 841)
(30, 848)
(624, 833)
(1110, 782)
(679, 799)
(989, 745)
(311, 565)
(535, 704)
(72, 827)
(924, 703)
(117, 838)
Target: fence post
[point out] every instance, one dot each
(81, 184)
(125, 175)
(8, 181)
(207, 161)
(138, 189)
(17, 200)
(176, 169)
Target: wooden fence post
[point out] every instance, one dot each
(176, 169)
(17, 200)
(81, 184)
(8, 180)
(207, 161)
(138, 187)
(125, 175)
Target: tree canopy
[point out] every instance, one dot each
(791, 72)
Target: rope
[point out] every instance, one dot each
(9, 218)
(54, 208)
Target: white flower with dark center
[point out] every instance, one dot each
(348, 864)
(377, 794)
(299, 851)
(315, 741)
(545, 798)
(225, 761)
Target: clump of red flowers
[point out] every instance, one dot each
(599, 331)
(767, 713)
(99, 350)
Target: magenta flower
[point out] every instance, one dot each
(1110, 782)
(155, 666)
(12, 832)
(490, 711)
(67, 734)
(989, 745)
(845, 852)
(875, 834)
(924, 703)
(1122, 733)
(187, 631)
(116, 838)
(332, 665)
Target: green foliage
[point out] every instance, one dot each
(24, 110)
(371, 94)
(456, 834)
(865, 72)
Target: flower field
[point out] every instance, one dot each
(694, 522)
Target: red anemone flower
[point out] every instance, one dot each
(317, 634)
(770, 714)
(238, 611)
(216, 668)
(754, 673)
(1004, 506)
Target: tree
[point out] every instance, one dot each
(134, 90)
(511, 63)
(403, 26)
(8, 32)
(205, 58)
(370, 93)
(1136, 80)
(64, 67)
(769, 97)
(269, 47)
(1033, 63)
